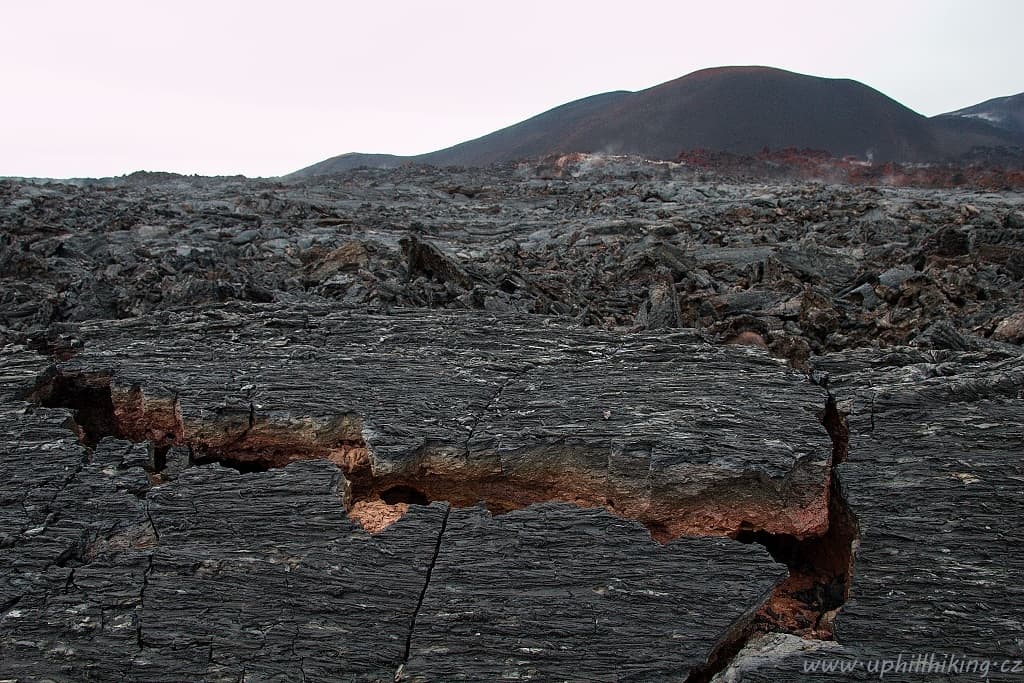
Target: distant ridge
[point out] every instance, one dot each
(346, 162)
(1005, 113)
(738, 109)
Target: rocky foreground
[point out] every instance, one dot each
(584, 419)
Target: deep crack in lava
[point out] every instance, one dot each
(805, 603)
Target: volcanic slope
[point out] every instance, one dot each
(730, 109)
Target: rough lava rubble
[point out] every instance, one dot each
(582, 418)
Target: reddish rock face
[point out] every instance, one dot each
(375, 515)
(748, 338)
(1011, 329)
(701, 500)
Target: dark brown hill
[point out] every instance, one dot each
(733, 109)
(740, 110)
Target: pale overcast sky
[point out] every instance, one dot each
(98, 87)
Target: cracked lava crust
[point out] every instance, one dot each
(816, 542)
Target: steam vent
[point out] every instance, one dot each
(579, 419)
